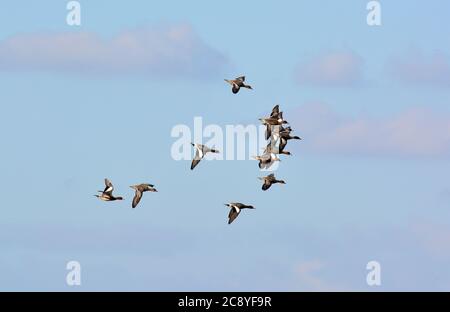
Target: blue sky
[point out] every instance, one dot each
(368, 182)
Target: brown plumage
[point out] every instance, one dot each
(107, 193)
(140, 189)
(236, 210)
(266, 160)
(237, 84)
(275, 120)
(269, 180)
(200, 152)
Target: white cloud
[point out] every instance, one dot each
(163, 51)
(421, 69)
(413, 132)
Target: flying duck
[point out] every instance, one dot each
(284, 138)
(200, 152)
(237, 84)
(106, 194)
(275, 119)
(266, 160)
(269, 180)
(236, 210)
(270, 148)
(141, 188)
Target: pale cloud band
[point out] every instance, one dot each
(158, 51)
(415, 132)
(419, 68)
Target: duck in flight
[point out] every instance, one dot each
(107, 193)
(200, 152)
(284, 138)
(275, 120)
(269, 180)
(237, 84)
(273, 149)
(236, 210)
(266, 160)
(139, 190)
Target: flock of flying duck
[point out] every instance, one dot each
(277, 136)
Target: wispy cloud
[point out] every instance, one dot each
(421, 69)
(414, 132)
(159, 51)
(337, 69)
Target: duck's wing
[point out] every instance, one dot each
(194, 163)
(240, 79)
(136, 199)
(275, 111)
(233, 215)
(235, 89)
(109, 188)
(198, 155)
